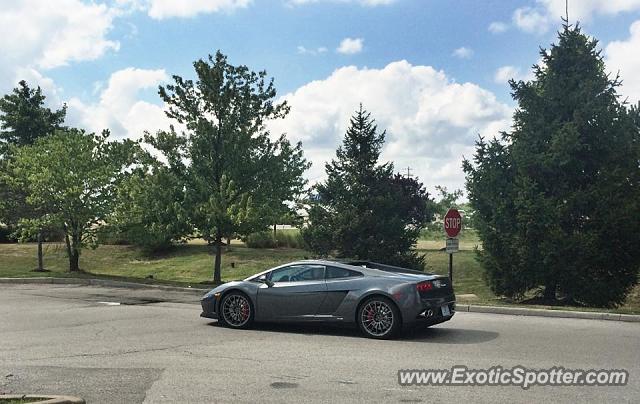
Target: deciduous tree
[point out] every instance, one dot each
(150, 209)
(23, 119)
(75, 175)
(236, 176)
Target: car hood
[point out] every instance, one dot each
(221, 288)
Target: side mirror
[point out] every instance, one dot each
(266, 281)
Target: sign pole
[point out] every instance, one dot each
(452, 226)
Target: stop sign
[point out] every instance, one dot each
(452, 222)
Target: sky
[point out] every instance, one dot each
(432, 73)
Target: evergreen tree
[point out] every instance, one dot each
(362, 210)
(558, 198)
(24, 118)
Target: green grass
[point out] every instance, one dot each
(192, 264)
(466, 235)
(186, 264)
(435, 239)
(467, 273)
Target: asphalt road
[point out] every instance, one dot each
(154, 348)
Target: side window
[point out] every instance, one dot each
(298, 273)
(335, 272)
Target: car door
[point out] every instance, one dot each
(340, 281)
(296, 293)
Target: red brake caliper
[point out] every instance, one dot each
(245, 311)
(370, 315)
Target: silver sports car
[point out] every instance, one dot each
(380, 299)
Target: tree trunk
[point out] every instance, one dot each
(274, 231)
(40, 258)
(550, 290)
(67, 243)
(74, 260)
(216, 268)
(74, 257)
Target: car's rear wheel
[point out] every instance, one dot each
(236, 310)
(378, 317)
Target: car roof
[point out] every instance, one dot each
(373, 268)
(369, 268)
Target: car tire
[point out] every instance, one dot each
(378, 317)
(236, 310)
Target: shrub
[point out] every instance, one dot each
(262, 239)
(5, 234)
(11, 234)
(290, 239)
(283, 239)
(110, 235)
(52, 235)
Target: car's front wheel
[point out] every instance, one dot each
(378, 317)
(236, 310)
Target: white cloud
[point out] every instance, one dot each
(368, 3)
(498, 27)
(350, 46)
(37, 35)
(506, 73)
(119, 109)
(376, 2)
(624, 57)
(531, 20)
(431, 120)
(548, 13)
(310, 51)
(50, 34)
(463, 53)
(163, 9)
(584, 10)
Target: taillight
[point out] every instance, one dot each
(424, 286)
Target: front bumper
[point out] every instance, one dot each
(209, 309)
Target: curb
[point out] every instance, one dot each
(99, 282)
(521, 311)
(45, 398)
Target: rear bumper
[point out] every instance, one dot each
(432, 311)
(436, 316)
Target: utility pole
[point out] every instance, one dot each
(409, 172)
